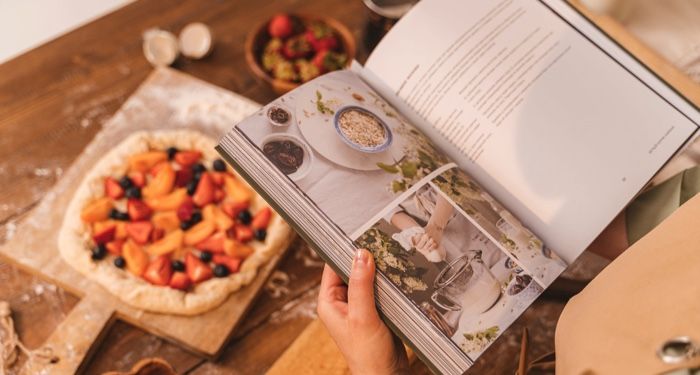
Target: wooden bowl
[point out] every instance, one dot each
(257, 39)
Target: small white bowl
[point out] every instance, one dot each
(305, 166)
(275, 123)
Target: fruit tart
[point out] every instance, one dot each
(165, 225)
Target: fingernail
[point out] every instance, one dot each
(361, 258)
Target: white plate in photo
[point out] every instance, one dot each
(318, 129)
(308, 157)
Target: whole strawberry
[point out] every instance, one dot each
(280, 26)
(321, 37)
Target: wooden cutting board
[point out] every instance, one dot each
(167, 99)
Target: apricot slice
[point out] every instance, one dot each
(199, 232)
(97, 210)
(161, 184)
(136, 258)
(166, 220)
(236, 249)
(143, 162)
(168, 202)
(171, 242)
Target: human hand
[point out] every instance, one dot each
(350, 315)
(435, 231)
(425, 245)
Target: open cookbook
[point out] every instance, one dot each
(479, 151)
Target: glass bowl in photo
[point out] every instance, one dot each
(364, 135)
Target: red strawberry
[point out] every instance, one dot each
(218, 178)
(185, 211)
(138, 178)
(215, 243)
(113, 189)
(180, 281)
(205, 191)
(138, 210)
(182, 177)
(296, 47)
(187, 158)
(219, 195)
(115, 247)
(197, 270)
(280, 26)
(105, 235)
(139, 231)
(321, 40)
(233, 264)
(327, 61)
(261, 218)
(159, 271)
(232, 209)
(157, 234)
(243, 233)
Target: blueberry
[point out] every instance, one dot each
(205, 256)
(192, 186)
(171, 152)
(219, 165)
(99, 252)
(118, 215)
(125, 182)
(178, 266)
(119, 262)
(196, 217)
(220, 270)
(260, 234)
(133, 192)
(185, 225)
(198, 168)
(245, 217)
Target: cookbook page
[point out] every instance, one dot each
(557, 129)
(443, 242)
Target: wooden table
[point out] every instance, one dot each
(54, 99)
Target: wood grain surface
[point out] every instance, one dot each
(55, 98)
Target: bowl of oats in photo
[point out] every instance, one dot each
(362, 130)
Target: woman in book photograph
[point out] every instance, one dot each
(462, 281)
(336, 137)
(500, 224)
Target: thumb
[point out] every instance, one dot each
(361, 306)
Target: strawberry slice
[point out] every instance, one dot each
(138, 210)
(233, 264)
(218, 178)
(205, 191)
(183, 176)
(187, 158)
(115, 247)
(236, 249)
(185, 211)
(232, 209)
(159, 271)
(157, 234)
(214, 243)
(97, 210)
(139, 231)
(113, 189)
(105, 235)
(219, 195)
(261, 218)
(180, 281)
(136, 258)
(243, 233)
(197, 270)
(138, 178)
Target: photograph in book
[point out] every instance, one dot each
(464, 282)
(504, 228)
(336, 138)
